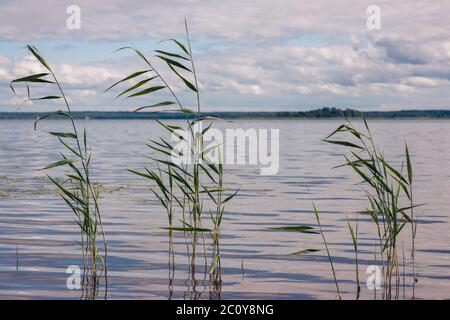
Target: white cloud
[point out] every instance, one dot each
(333, 88)
(89, 76)
(255, 52)
(80, 82)
(86, 93)
(304, 90)
(14, 101)
(252, 89)
(425, 82)
(231, 19)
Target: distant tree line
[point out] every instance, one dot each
(317, 113)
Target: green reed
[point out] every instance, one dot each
(386, 190)
(75, 187)
(316, 214)
(184, 189)
(354, 234)
(311, 230)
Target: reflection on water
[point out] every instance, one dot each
(143, 262)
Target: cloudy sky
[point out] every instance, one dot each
(250, 55)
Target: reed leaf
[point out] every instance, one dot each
(131, 76)
(146, 91)
(301, 229)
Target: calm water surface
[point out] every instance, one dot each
(255, 259)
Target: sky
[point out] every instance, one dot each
(249, 55)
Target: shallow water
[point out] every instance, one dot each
(255, 260)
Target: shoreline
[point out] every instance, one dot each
(325, 113)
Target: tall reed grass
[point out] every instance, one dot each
(188, 191)
(389, 194)
(75, 187)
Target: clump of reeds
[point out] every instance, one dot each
(184, 189)
(75, 187)
(387, 190)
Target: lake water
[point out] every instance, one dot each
(35, 223)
